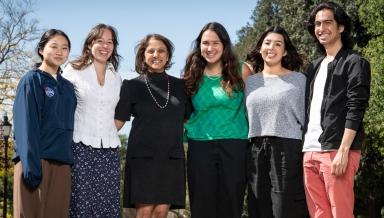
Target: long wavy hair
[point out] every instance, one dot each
(86, 57)
(341, 18)
(195, 63)
(140, 66)
(292, 61)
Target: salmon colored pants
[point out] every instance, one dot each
(49, 199)
(328, 195)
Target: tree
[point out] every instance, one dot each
(9, 176)
(369, 188)
(16, 30)
(262, 17)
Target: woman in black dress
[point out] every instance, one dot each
(155, 164)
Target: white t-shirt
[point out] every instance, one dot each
(311, 138)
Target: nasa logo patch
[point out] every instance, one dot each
(49, 92)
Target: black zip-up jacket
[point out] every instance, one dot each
(346, 95)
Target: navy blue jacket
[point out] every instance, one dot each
(346, 96)
(43, 116)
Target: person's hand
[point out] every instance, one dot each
(339, 163)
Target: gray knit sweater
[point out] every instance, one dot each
(275, 105)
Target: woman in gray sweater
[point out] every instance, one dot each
(275, 107)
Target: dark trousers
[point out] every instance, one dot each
(275, 178)
(216, 172)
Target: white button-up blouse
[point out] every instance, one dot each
(94, 116)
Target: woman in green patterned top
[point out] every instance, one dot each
(217, 129)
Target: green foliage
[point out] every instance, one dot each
(372, 16)
(369, 188)
(262, 17)
(122, 153)
(369, 193)
(374, 118)
(9, 176)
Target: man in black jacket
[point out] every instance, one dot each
(337, 95)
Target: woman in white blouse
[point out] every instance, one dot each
(96, 169)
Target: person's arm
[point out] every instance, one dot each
(358, 89)
(27, 132)
(123, 108)
(340, 162)
(246, 70)
(119, 124)
(188, 105)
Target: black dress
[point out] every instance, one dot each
(155, 161)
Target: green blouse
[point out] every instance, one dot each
(217, 115)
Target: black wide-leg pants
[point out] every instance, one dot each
(216, 171)
(275, 178)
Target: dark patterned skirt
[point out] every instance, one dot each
(95, 182)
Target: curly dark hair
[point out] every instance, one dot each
(195, 63)
(140, 66)
(341, 18)
(292, 61)
(86, 57)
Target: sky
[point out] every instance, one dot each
(178, 20)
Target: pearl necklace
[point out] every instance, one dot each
(153, 97)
